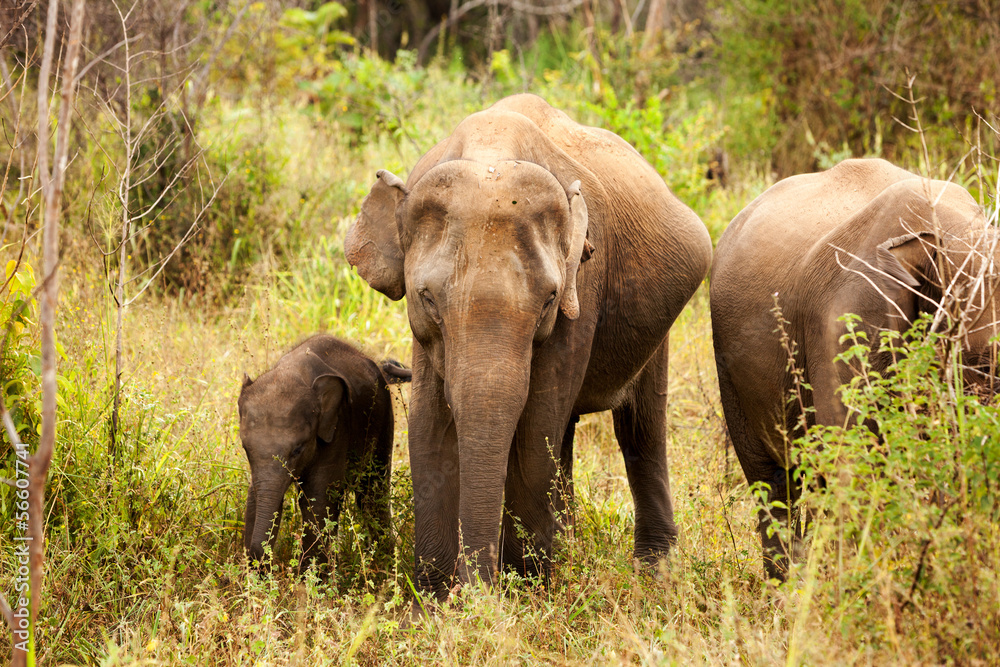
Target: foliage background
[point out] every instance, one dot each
(260, 125)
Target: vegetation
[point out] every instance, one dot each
(215, 169)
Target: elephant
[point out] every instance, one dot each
(321, 418)
(865, 237)
(543, 263)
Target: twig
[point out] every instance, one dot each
(124, 189)
(8, 614)
(17, 23)
(51, 187)
(456, 16)
(107, 52)
(923, 555)
(187, 235)
(18, 146)
(199, 83)
(871, 282)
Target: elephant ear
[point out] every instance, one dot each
(579, 249)
(372, 242)
(904, 260)
(332, 391)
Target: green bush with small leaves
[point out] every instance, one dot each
(903, 506)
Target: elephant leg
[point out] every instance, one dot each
(758, 466)
(373, 494)
(778, 551)
(564, 497)
(640, 426)
(530, 494)
(317, 506)
(435, 470)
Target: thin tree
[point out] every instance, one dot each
(50, 185)
(137, 168)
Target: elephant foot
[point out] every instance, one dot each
(420, 613)
(653, 563)
(425, 607)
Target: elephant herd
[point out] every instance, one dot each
(544, 263)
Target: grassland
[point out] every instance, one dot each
(144, 555)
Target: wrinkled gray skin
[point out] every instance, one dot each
(859, 239)
(321, 417)
(544, 262)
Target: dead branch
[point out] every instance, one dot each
(124, 189)
(524, 7)
(51, 185)
(187, 235)
(18, 147)
(8, 614)
(18, 22)
(200, 86)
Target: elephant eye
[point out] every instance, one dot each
(548, 302)
(429, 304)
(298, 450)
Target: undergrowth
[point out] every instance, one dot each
(144, 561)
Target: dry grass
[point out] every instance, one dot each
(145, 562)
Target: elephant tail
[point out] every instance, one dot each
(394, 372)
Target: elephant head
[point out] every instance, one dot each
(489, 254)
(945, 263)
(286, 419)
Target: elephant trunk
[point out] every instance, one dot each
(487, 398)
(263, 516)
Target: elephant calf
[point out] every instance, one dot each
(865, 237)
(322, 417)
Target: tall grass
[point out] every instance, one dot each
(144, 556)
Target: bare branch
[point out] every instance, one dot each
(17, 22)
(456, 16)
(872, 282)
(202, 77)
(100, 58)
(187, 235)
(8, 424)
(51, 185)
(8, 613)
(18, 147)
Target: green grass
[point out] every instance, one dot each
(153, 570)
(145, 561)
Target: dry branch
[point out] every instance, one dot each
(17, 22)
(51, 187)
(524, 7)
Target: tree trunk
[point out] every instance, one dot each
(655, 20)
(51, 185)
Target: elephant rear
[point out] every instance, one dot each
(760, 264)
(865, 238)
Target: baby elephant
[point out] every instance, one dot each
(322, 417)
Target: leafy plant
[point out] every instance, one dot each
(905, 502)
(20, 360)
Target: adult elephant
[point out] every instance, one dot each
(544, 263)
(865, 237)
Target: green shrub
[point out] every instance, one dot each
(20, 356)
(835, 70)
(904, 524)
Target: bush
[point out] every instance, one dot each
(834, 70)
(20, 356)
(904, 523)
